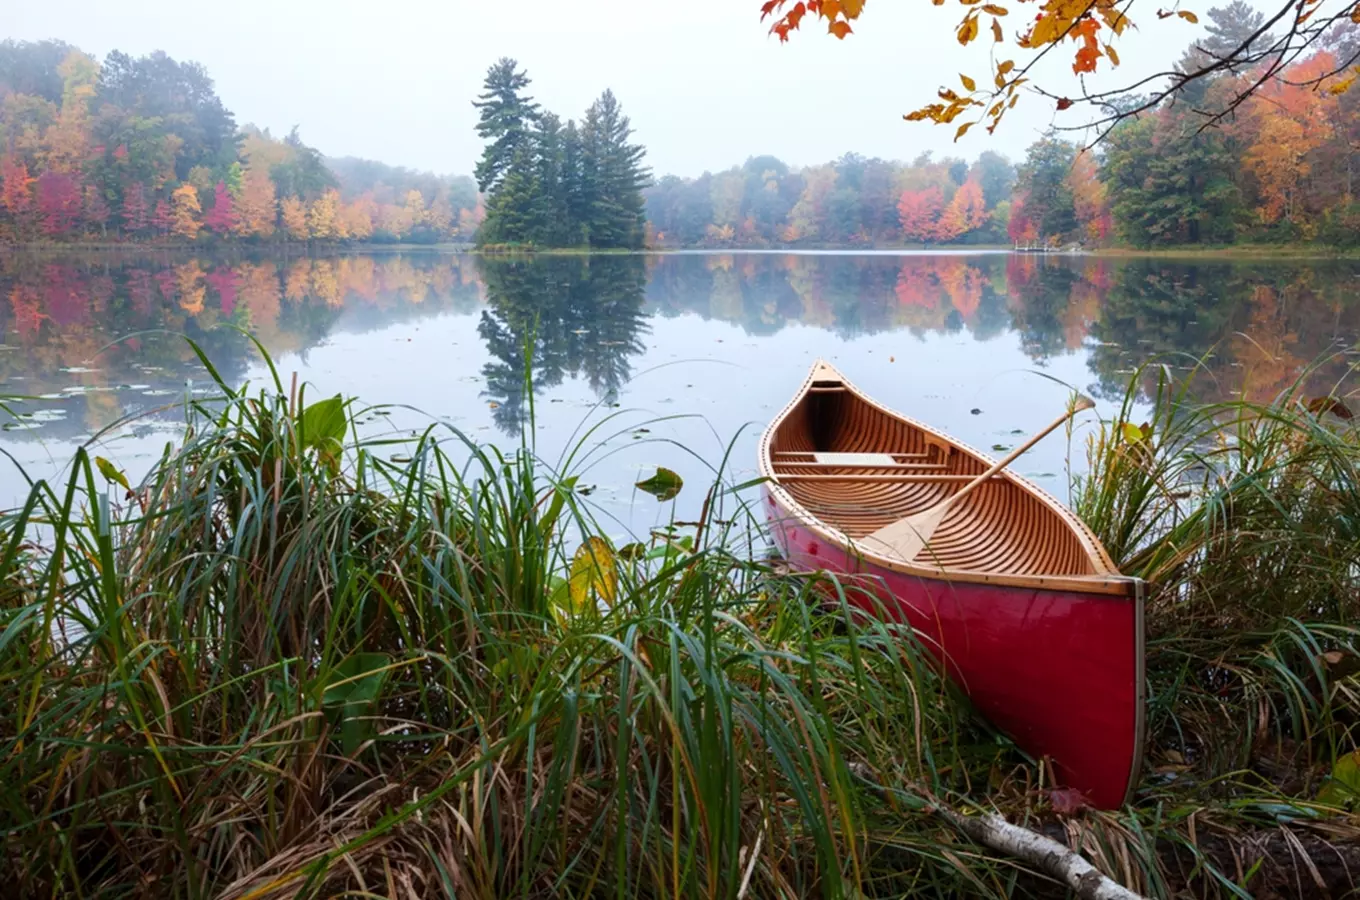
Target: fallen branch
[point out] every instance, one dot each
(1045, 854)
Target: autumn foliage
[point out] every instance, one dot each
(1089, 27)
(143, 150)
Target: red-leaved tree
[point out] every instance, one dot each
(58, 203)
(162, 219)
(221, 218)
(919, 211)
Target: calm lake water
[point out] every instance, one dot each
(674, 358)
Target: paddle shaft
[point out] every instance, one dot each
(1015, 454)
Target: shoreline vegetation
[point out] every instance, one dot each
(291, 663)
(1228, 252)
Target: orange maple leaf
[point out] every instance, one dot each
(1086, 60)
(1090, 50)
(839, 29)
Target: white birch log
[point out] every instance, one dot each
(1044, 853)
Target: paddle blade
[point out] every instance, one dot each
(906, 538)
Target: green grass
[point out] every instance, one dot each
(285, 665)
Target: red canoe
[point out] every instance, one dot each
(1013, 593)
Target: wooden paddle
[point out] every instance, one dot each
(909, 536)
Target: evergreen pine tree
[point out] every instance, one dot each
(612, 177)
(507, 118)
(552, 226)
(573, 186)
(510, 206)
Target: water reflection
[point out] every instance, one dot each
(90, 340)
(577, 317)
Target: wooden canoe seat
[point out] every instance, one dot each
(857, 460)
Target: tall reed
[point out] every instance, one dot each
(285, 665)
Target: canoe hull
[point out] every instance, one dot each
(1060, 671)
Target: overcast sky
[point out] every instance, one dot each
(705, 84)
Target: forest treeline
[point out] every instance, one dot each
(143, 150)
(1278, 168)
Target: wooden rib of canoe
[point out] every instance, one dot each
(1012, 593)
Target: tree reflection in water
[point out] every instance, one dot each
(569, 316)
(97, 337)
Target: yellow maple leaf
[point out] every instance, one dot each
(1342, 86)
(852, 8)
(1114, 18)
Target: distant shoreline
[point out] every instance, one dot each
(333, 248)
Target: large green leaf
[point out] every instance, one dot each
(1343, 787)
(351, 690)
(324, 420)
(664, 485)
(323, 428)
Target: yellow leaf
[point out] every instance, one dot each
(1114, 18)
(1114, 57)
(963, 129)
(1005, 66)
(994, 9)
(1132, 433)
(831, 9)
(592, 574)
(968, 30)
(968, 83)
(996, 31)
(1014, 99)
(1188, 16)
(1000, 81)
(852, 8)
(1341, 86)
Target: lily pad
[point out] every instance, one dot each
(664, 485)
